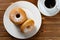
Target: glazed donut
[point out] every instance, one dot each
(17, 15)
(27, 26)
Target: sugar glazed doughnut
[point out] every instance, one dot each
(27, 26)
(17, 15)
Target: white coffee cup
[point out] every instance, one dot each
(45, 10)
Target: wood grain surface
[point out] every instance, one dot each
(50, 28)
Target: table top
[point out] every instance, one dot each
(50, 28)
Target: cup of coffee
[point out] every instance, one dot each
(48, 7)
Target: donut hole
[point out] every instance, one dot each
(50, 3)
(28, 27)
(17, 15)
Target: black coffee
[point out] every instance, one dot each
(50, 3)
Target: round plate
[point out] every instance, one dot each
(31, 12)
(48, 11)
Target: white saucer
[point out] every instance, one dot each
(48, 11)
(31, 11)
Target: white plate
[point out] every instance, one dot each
(48, 11)
(31, 11)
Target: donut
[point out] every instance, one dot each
(27, 26)
(17, 15)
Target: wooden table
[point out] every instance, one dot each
(50, 29)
